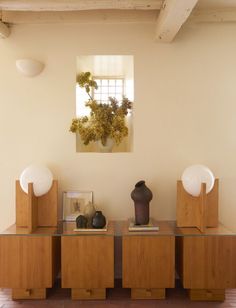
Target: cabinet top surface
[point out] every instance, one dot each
(119, 228)
(63, 229)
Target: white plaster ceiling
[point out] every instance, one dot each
(219, 4)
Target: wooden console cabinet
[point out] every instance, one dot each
(148, 261)
(206, 262)
(29, 263)
(87, 264)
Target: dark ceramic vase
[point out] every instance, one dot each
(81, 222)
(99, 220)
(141, 195)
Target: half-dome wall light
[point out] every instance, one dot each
(29, 67)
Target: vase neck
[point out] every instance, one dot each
(140, 184)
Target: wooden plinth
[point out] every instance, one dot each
(88, 293)
(28, 294)
(28, 264)
(148, 262)
(87, 263)
(206, 263)
(207, 295)
(147, 293)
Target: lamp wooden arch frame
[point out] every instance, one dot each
(201, 211)
(33, 212)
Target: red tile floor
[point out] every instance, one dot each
(116, 298)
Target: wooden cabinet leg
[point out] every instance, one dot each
(148, 293)
(207, 294)
(88, 293)
(28, 294)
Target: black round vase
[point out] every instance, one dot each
(141, 195)
(81, 222)
(99, 220)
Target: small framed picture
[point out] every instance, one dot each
(74, 203)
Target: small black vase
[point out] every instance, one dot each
(81, 222)
(141, 195)
(99, 220)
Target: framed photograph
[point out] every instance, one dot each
(74, 203)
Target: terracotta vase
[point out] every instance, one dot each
(141, 195)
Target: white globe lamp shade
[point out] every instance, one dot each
(29, 67)
(40, 176)
(194, 176)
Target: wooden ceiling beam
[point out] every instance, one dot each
(173, 15)
(86, 17)
(77, 5)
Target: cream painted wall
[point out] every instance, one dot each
(185, 113)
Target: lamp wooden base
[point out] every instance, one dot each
(28, 294)
(207, 295)
(88, 293)
(148, 293)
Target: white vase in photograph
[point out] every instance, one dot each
(106, 148)
(89, 212)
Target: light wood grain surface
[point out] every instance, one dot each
(208, 262)
(45, 208)
(32, 209)
(148, 293)
(87, 261)
(148, 261)
(220, 230)
(29, 294)
(26, 262)
(199, 211)
(88, 293)
(21, 206)
(48, 207)
(207, 295)
(14, 230)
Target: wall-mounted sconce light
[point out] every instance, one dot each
(4, 30)
(29, 67)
